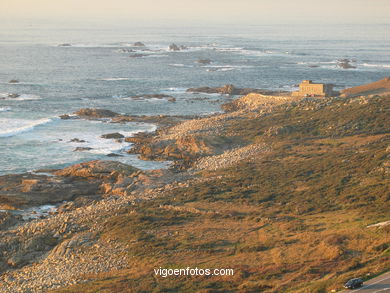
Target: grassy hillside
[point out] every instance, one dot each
(292, 220)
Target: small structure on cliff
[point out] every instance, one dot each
(309, 89)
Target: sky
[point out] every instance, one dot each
(199, 11)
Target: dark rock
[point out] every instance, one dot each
(174, 47)
(345, 64)
(139, 44)
(77, 140)
(137, 55)
(204, 61)
(65, 117)
(171, 99)
(230, 89)
(114, 155)
(65, 45)
(115, 135)
(13, 81)
(95, 113)
(81, 149)
(13, 96)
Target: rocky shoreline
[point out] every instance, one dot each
(64, 247)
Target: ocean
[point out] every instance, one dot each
(95, 70)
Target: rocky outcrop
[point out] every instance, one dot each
(13, 81)
(82, 149)
(26, 190)
(115, 135)
(174, 47)
(204, 61)
(65, 45)
(138, 44)
(229, 89)
(92, 113)
(345, 64)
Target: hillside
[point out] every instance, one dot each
(280, 191)
(375, 88)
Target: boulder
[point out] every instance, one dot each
(77, 140)
(95, 113)
(345, 64)
(139, 44)
(82, 149)
(174, 47)
(13, 81)
(115, 135)
(204, 61)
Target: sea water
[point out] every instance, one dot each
(96, 71)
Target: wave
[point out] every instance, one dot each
(23, 97)
(114, 79)
(12, 127)
(181, 65)
(376, 65)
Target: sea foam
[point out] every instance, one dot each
(12, 127)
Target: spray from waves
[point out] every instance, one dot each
(12, 127)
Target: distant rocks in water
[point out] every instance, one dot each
(66, 117)
(77, 140)
(204, 61)
(13, 81)
(138, 44)
(114, 155)
(313, 66)
(154, 96)
(95, 113)
(82, 149)
(174, 47)
(228, 89)
(126, 50)
(115, 135)
(137, 55)
(13, 96)
(65, 45)
(345, 64)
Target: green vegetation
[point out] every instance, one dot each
(293, 220)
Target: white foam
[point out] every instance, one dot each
(376, 65)
(114, 79)
(12, 127)
(181, 65)
(5, 109)
(23, 97)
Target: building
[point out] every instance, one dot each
(309, 89)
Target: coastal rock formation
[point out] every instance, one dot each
(345, 64)
(204, 61)
(82, 149)
(65, 45)
(138, 44)
(230, 89)
(92, 113)
(13, 81)
(25, 190)
(115, 135)
(174, 47)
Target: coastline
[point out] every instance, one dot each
(253, 130)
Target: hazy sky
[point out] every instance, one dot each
(200, 11)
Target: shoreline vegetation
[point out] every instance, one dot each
(287, 191)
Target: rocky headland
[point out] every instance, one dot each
(275, 186)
